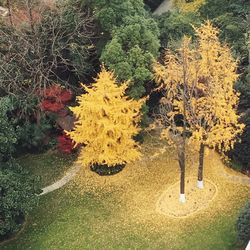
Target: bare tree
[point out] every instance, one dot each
(33, 58)
(10, 13)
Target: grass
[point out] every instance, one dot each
(118, 212)
(49, 166)
(87, 222)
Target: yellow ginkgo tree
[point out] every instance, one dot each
(174, 78)
(106, 122)
(200, 103)
(212, 110)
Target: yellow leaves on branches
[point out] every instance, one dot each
(106, 122)
(199, 84)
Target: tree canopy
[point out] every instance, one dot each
(106, 123)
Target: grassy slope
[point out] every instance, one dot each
(119, 213)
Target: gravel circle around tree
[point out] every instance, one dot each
(197, 199)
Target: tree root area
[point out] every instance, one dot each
(196, 199)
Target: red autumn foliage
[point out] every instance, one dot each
(47, 105)
(65, 144)
(55, 98)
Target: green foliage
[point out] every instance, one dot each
(230, 17)
(131, 51)
(240, 154)
(34, 136)
(173, 25)
(8, 136)
(243, 225)
(31, 128)
(111, 13)
(17, 196)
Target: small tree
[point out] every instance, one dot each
(106, 123)
(175, 80)
(212, 108)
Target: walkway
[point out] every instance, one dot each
(164, 7)
(64, 180)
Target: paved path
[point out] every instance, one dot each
(164, 7)
(236, 179)
(64, 180)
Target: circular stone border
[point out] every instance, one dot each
(193, 180)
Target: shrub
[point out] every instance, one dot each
(34, 136)
(243, 225)
(55, 98)
(8, 136)
(65, 144)
(17, 197)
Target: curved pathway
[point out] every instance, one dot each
(164, 7)
(64, 180)
(236, 179)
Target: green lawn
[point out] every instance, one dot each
(117, 212)
(48, 166)
(87, 222)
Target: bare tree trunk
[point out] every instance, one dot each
(29, 5)
(182, 146)
(9, 9)
(182, 164)
(201, 166)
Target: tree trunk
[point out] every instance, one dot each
(201, 166)
(30, 15)
(9, 9)
(182, 164)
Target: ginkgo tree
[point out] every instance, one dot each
(106, 123)
(173, 78)
(212, 109)
(201, 102)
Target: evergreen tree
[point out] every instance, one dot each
(131, 41)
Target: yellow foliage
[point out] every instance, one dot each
(106, 122)
(188, 6)
(199, 83)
